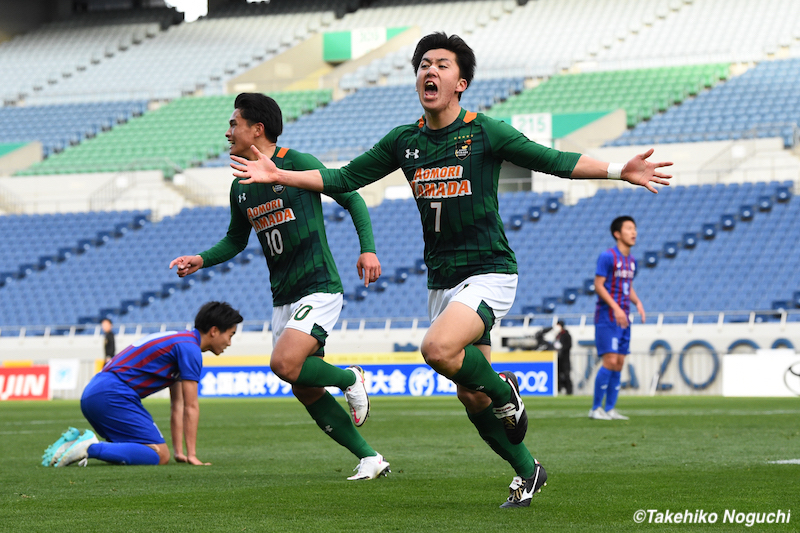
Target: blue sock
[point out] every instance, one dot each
(123, 453)
(600, 386)
(613, 390)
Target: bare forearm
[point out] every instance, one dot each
(310, 180)
(191, 417)
(176, 427)
(588, 168)
(176, 418)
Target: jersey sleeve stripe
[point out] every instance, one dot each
(282, 152)
(469, 116)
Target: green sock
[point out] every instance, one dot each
(477, 374)
(317, 373)
(336, 423)
(490, 428)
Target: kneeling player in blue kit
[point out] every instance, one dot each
(111, 402)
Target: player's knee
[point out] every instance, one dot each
(435, 353)
(163, 454)
(283, 369)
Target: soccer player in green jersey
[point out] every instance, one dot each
(306, 288)
(451, 158)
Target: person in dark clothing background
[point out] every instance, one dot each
(563, 344)
(109, 346)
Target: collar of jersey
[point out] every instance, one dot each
(457, 123)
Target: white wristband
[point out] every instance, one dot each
(614, 171)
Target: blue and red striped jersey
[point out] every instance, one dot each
(619, 272)
(157, 361)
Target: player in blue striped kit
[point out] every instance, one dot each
(613, 282)
(111, 402)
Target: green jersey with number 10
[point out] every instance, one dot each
(453, 173)
(290, 227)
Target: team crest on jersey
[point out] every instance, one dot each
(463, 149)
(278, 188)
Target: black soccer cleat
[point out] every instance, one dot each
(521, 491)
(513, 415)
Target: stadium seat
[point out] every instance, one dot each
(727, 222)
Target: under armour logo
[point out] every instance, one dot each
(414, 154)
(242, 197)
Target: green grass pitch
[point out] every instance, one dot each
(273, 470)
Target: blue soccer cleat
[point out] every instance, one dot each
(60, 446)
(78, 451)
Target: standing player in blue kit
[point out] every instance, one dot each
(613, 282)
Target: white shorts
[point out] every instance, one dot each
(315, 315)
(489, 295)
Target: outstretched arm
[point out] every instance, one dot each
(637, 171)
(263, 170)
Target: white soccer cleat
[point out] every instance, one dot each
(614, 415)
(599, 414)
(370, 468)
(66, 440)
(357, 398)
(78, 452)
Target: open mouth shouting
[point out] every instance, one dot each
(431, 90)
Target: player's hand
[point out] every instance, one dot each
(369, 268)
(640, 308)
(187, 264)
(621, 318)
(193, 460)
(640, 171)
(262, 170)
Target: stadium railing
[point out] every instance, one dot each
(687, 318)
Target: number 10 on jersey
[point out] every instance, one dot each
(274, 241)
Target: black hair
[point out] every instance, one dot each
(106, 318)
(561, 323)
(616, 225)
(465, 57)
(219, 314)
(257, 107)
